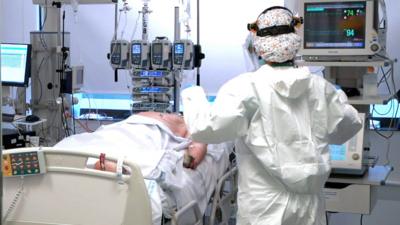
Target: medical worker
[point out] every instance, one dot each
(283, 119)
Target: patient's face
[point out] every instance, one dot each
(174, 122)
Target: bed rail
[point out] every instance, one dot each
(70, 193)
(224, 198)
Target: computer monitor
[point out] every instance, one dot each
(339, 28)
(15, 64)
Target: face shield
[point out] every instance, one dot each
(250, 57)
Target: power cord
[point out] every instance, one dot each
(15, 200)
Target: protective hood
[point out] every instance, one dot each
(288, 82)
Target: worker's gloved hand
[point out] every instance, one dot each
(194, 155)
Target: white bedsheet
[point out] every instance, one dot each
(158, 152)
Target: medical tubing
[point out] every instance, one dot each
(126, 23)
(116, 21)
(136, 25)
(115, 34)
(14, 201)
(198, 41)
(73, 113)
(42, 41)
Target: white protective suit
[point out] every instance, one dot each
(283, 119)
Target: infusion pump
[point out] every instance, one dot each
(140, 54)
(119, 54)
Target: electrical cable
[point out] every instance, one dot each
(14, 201)
(38, 76)
(380, 134)
(383, 114)
(388, 153)
(361, 219)
(385, 78)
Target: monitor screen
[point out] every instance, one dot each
(343, 24)
(337, 152)
(179, 48)
(136, 49)
(157, 49)
(15, 64)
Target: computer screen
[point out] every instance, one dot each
(343, 23)
(15, 64)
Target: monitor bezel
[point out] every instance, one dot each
(27, 67)
(370, 33)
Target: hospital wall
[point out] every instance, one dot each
(17, 19)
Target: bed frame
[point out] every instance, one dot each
(224, 200)
(45, 199)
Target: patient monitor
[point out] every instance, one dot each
(339, 28)
(349, 158)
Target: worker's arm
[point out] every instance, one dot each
(225, 120)
(343, 121)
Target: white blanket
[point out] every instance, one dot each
(158, 152)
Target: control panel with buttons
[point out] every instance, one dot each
(23, 163)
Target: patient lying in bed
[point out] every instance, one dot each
(157, 142)
(196, 151)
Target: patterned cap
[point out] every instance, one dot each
(280, 48)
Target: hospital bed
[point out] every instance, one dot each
(66, 191)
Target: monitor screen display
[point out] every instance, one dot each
(15, 64)
(136, 49)
(179, 48)
(337, 152)
(157, 49)
(339, 25)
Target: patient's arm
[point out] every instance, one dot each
(111, 166)
(198, 151)
(177, 125)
